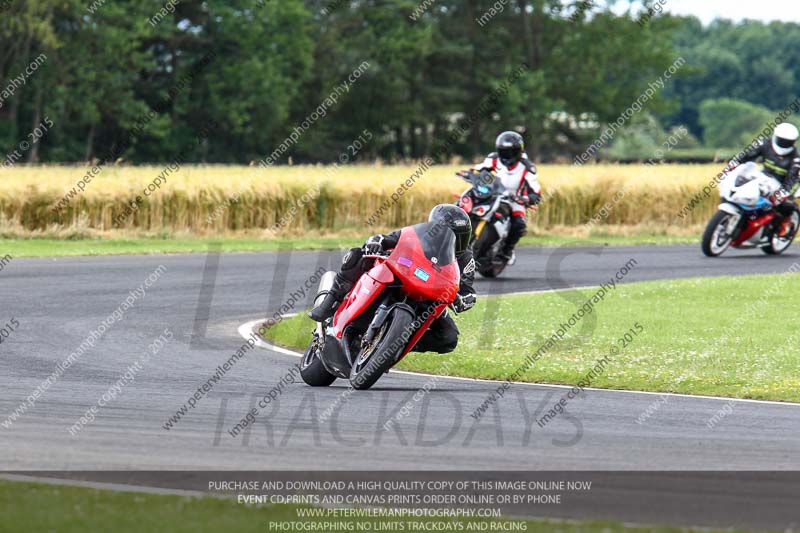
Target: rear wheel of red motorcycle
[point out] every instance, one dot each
(311, 368)
(777, 244)
(376, 359)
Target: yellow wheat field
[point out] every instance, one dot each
(302, 199)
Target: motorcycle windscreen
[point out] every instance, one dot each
(425, 262)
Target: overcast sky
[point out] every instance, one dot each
(708, 10)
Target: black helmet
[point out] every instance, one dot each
(509, 145)
(457, 220)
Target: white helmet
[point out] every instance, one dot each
(784, 137)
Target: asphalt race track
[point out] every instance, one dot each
(203, 299)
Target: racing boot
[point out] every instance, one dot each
(336, 294)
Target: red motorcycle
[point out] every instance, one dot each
(388, 310)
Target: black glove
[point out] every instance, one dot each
(374, 245)
(464, 302)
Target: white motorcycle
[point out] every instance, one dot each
(747, 217)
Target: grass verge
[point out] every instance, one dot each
(45, 247)
(44, 507)
(54, 247)
(701, 336)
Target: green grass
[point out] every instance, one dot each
(56, 247)
(38, 507)
(687, 345)
(51, 247)
(600, 239)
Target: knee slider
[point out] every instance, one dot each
(352, 258)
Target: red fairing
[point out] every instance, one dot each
(752, 228)
(443, 281)
(369, 286)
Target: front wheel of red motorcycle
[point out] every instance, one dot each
(382, 353)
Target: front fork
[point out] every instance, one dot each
(479, 227)
(733, 222)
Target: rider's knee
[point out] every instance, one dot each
(352, 259)
(448, 341)
(447, 347)
(519, 225)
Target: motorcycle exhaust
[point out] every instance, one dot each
(324, 288)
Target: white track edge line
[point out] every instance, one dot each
(246, 329)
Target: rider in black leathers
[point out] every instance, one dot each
(442, 335)
(781, 161)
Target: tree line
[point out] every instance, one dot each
(135, 81)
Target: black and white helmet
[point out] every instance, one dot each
(784, 137)
(510, 146)
(457, 220)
